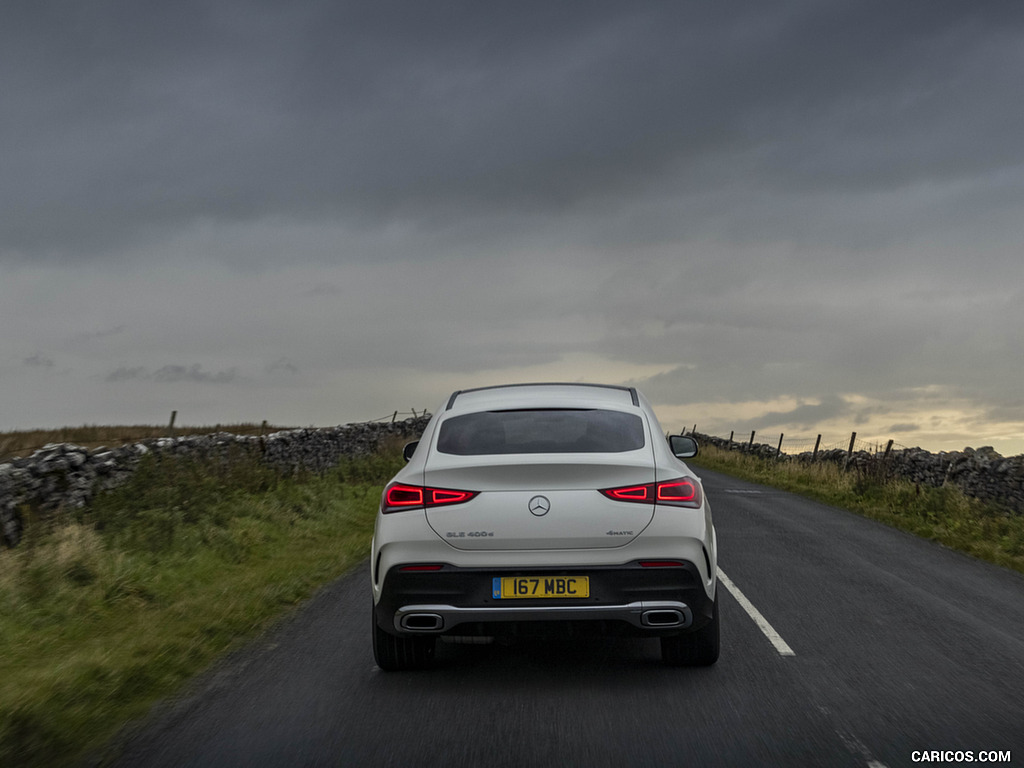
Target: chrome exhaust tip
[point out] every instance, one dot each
(422, 622)
(663, 617)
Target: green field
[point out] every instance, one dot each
(103, 614)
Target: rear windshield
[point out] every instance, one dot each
(541, 431)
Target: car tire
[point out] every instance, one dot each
(694, 649)
(396, 654)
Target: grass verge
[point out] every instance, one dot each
(106, 613)
(944, 514)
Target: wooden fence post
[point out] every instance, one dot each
(751, 440)
(816, 444)
(778, 451)
(853, 439)
(731, 433)
(170, 427)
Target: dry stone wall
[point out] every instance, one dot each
(982, 473)
(64, 476)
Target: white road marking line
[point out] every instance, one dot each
(856, 746)
(762, 623)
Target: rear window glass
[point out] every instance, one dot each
(541, 431)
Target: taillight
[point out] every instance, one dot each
(660, 564)
(679, 492)
(401, 496)
(631, 493)
(398, 497)
(683, 491)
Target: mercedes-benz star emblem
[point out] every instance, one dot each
(539, 505)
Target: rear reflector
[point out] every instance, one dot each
(421, 567)
(660, 564)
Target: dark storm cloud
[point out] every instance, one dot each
(171, 374)
(126, 121)
(127, 374)
(88, 336)
(904, 427)
(811, 341)
(1011, 410)
(195, 373)
(38, 361)
(806, 416)
(282, 365)
(794, 212)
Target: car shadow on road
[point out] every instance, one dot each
(528, 662)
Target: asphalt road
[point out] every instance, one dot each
(869, 647)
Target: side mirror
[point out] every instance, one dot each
(683, 447)
(409, 449)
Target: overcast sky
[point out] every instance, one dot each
(800, 217)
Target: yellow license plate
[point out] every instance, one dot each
(541, 586)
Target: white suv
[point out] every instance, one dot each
(544, 508)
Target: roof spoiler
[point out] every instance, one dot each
(631, 390)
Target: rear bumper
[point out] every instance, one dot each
(628, 598)
(438, 619)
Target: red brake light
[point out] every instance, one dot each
(403, 496)
(678, 492)
(630, 493)
(448, 496)
(398, 497)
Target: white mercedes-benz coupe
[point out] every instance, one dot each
(544, 508)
